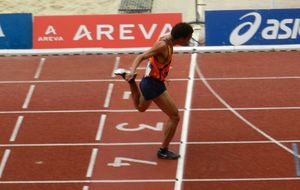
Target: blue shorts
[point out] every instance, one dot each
(151, 88)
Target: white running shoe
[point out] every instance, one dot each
(121, 72)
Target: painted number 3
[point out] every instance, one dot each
(158, 127)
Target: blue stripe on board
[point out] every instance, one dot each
(297, 162)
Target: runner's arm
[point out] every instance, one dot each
(157, 48)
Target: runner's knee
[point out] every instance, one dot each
(141, 109)
(175, 117)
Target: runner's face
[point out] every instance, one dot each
(184, 41)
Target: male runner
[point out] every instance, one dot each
(152, 87)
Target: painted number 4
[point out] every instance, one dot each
(122, 161)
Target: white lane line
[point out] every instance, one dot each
(76, 111)
(251, 78)
(4, 161)
(101, 127)
(108, 95)
(85, 187)
(246, 109)
(64, 81)
(185, 125)
(28, 97)
(149, 110)
(39, 69)
(126, 95)
(151, 180)
(92, 162)
(92, 181)
(116, 66)
(84, 144)
(243, 179)
(170, 79)
(251, 125)
(16, 129)
(144, 143)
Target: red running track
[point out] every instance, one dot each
(68, 124)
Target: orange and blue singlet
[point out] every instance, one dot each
(152, 85)
(159, 70)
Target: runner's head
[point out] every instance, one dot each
(181, 33)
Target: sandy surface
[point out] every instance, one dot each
(60, 7)
(83, 7)
(249, 4)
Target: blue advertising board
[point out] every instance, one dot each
(16, 31)
(252, 27)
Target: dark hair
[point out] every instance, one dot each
(181, 30)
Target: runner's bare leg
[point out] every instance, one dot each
(138, 100)
(167, 105)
